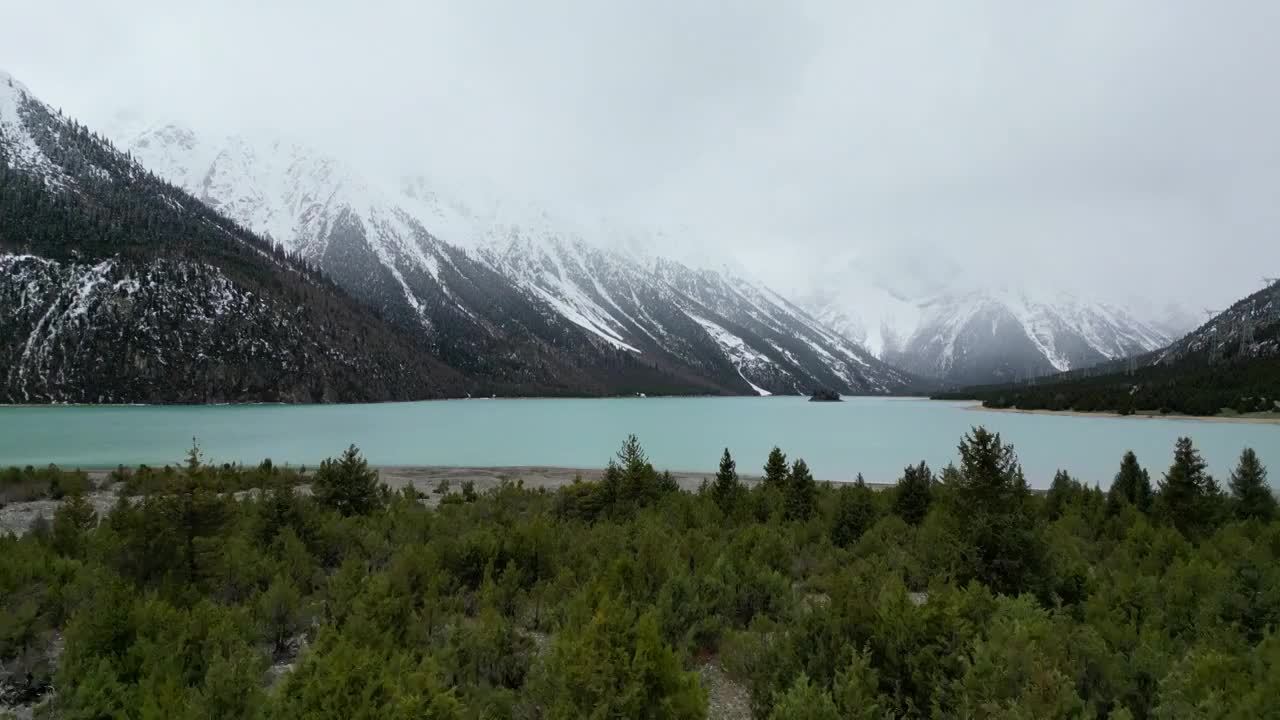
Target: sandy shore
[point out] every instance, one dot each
(1136, 416)
(426, 477)
(18, 517)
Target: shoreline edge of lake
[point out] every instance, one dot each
(1136, 416)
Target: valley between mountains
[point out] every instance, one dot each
(153, 263)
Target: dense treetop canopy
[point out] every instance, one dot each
(267, 592)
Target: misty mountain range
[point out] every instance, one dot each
(994, 334)
(499, 298)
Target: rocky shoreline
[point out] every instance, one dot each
(19, 517)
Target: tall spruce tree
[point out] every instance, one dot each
(1189, 497)
(347, 484)
(855, 513)
(194, 510)
(775, 469)
(1251, 496)
(1132, 485)
(801, 493)
(630, 481)
(914, 493)
(991, 493)
(641, 484)
(72, 522)
(726, 488)
(1063, 491)
(631, 455)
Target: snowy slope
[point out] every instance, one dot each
(462, 268)
(1250, 328)
(987, 335)
(118, 287)
(16, 140)
(872, 316)
(296, 199)
(1007, 334)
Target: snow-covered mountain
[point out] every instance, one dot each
(940, 329)
(1250, 328)
(508, 291)
(994, 336)
(118, 287)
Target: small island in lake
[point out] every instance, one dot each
(825, 396)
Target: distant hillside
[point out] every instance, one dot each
(118, 287)
(515, 294)
(1230, 363)
(932, 324)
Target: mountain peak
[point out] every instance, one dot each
(9, 84)
(461, 263)
(16, 138)
(986, 335)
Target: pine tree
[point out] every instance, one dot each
(855, 513)
(801, 493)
(805, 700)
(70, 523)
(611, 484)
(667, 483)
(1062, 492)
(194, 510)
(347, 485)
(726, 488)
(857, 690)
(1251, 496)
(914, 493)
(279, 614)
(991, 494)
(638, 482)
(989, 476)
(1188, 495)
(1131, 485)
(775, 469)
(616, 666)
(631, 455)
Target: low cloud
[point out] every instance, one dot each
(1125, 149)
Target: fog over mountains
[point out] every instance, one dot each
(1026, 147)
(595, 273)
(459, 268)
(981, 335)
(123, 288)
(387, 239)
(521, 300)
(116, 287)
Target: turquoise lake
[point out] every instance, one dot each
(874, 436)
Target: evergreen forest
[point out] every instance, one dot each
(211, 591)
(1242, 386)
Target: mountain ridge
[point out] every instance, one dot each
(420, 255)
(1229, 363)
(121, 288)
(988, 335)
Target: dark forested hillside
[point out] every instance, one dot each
(117, 287)
(481, 324)
(1231, 363)
(511, 294)
(960, 594)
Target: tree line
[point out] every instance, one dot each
(268, 592)
(1189, 386)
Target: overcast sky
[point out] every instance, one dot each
(1130, 147)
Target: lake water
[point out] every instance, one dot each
(874, 436)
